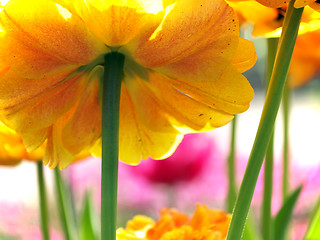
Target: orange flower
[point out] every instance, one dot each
(183, 64)
(205, 224)
(305, 63)
(268, 22)
(298, 3)
(12, 149)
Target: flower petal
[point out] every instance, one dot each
(273, 3)
(116, 22)
(302, 3)
(136, 141)
(245, 56)
(34, 109)
(183, 109)
(231, 93)
(204, 23)
(40, 37)
(55, 153)
(84, 127)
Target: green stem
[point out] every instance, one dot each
(286, 163)
(110, 143)
(232, 192)
(266, 220)
(65, 206)
(269, 113)
(44, 217)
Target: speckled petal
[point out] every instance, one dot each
(231, 93)
(245, 56)
(40, 37)
(190, 26)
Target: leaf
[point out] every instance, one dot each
(313, 232)
(251, 230)
(89, 221)
(282, 219)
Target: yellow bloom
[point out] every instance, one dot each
(268, 22)
(12, 149)
(205, 224)
(183, 64)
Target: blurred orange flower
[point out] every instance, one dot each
(205, 224)
(298, 3)
(183, 64)
(305, 63)
(267, 22)
(12, 149)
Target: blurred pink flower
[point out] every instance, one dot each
(21, 222)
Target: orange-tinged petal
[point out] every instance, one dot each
(116, 22)
(84, 127)
(149, 109)
(33, 140)
(38, 110)
(55, 153)
(188, 27)
(231, 93)
(273, 3)
(245, 56)
(136, 141)
(41, 37)
(302, 3)
(185, 111)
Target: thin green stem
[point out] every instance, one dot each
(286, 160)
(44, 217)
(266, 220)
(65, 206)
(269, 113)
(232, 190)
(110, 143)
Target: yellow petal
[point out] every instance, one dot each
(55, 153)
(183, 109)
(245, 56)
(148, 108)
(84, 128)
(231, 93)
(188, 27)
(40, 37)
(116, 22)
(35, 109)
(136, 141)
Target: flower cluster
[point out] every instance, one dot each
(205, 224)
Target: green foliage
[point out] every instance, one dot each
(89, 221)
(313, 232)
(282, 219)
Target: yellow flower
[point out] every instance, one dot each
(268, 22)
(205, 224)
(183, 64)
(12, 149)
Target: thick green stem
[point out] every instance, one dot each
(44, 217)
(266, 220)
(269, 113)
(286, 160)
(232, 190)
(110, 143)
(65, 206)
